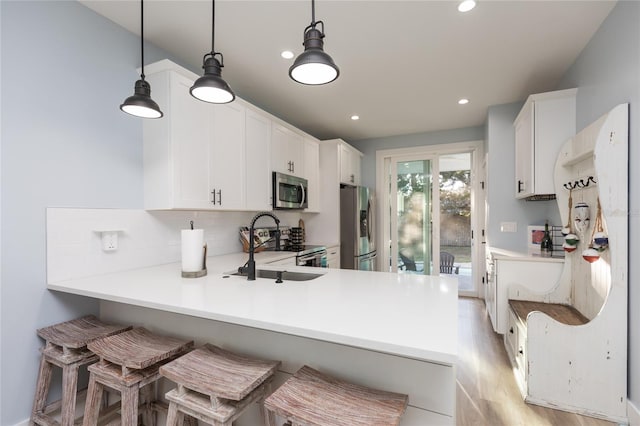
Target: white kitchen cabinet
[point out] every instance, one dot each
(544, 123)
(326, 225)
(257, 153)
(227, 161)
(350, 159)
(503, 271)
(287, 150)
(288, 261)
(312, 173)
(333, 257)
(177, 147)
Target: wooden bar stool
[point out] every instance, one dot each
(215, 385)
(129, 364)
(315, 399)
(66, 347)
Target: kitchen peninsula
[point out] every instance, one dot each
(396, 332)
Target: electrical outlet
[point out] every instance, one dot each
(110, 240)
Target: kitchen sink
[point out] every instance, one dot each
(284, 275)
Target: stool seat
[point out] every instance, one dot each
(77, 333)
(215, 385)
(138, 348)
(310, 397)
(66, 347)
(129, 364)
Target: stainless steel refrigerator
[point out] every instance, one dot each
(357, 228)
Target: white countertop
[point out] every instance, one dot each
(502, 254)
(413, 316)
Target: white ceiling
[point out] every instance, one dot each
(403, 64)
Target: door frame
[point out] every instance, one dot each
(476, 148)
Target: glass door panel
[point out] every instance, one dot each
(412, 187)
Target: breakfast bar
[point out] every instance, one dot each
(390, 331)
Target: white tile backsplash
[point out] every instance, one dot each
(148, 238)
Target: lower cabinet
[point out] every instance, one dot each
(333, 257)
(533, 272)
(515, 341)
(289, 261)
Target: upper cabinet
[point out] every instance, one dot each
(258, 168)
(350, 159)
(545, 122)
(312, 173)
(203, 156)
(287, 150)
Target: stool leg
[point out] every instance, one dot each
(42, 388)
(69, 391)
(174, 417)
(92, 405)
(130, 397)
(147, 396)
(269, 417)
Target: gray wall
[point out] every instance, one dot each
(607, 73)
(501, 201)
(369, 146)
(65, 71)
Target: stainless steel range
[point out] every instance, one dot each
(311, 255)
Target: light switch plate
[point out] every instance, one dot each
(508, 226)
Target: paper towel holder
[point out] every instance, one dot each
(203, 271)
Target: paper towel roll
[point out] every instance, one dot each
(192, 250)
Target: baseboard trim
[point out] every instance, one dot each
(633, 413)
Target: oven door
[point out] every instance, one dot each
(289, 192)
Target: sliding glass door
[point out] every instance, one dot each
(412, 199)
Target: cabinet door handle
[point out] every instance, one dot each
(213, 193)
(293, 167)
(511, 330)
(353, 178)
(220, 197)
(520, 351)
(520, 186)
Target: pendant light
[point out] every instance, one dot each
(141, 104)
(211, 87)
(314, 66)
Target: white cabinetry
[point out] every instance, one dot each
(503, 271)
(333, 257)
(287, 150)
(227, 170)
(312, 173)
(258, 168)
(349, 165)
(201, 156)
(177, 147)
(545, 122)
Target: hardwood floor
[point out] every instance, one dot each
(486, 391)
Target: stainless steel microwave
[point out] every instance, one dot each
(289, 192)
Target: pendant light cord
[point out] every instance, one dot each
(213, 21)
(142, 38)
(313, 13)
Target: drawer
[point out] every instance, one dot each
(511, 336)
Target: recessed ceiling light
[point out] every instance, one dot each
(355, 117)
(466, 5)
(463, 101)
(287, 54)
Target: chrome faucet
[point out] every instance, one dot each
(250, 269)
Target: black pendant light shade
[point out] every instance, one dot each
(141, 104)
(314, 66)
(211, 87)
